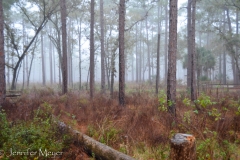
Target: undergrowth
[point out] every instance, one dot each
(38, 138)
(141, 129)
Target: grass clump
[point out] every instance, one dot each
(38, 138)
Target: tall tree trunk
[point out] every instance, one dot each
(24, 39)
(43, 61)
(92, 50)
(232, 52)
(113, 71)
(107, 60)
(140, 55)
(193, 56)
(158, 51)
(132, 65)
(69, 52)
(220, 67)
(224, 76)
(2, 58)
(71, 60)
(54, 66)
(189, 44)
(152, 53)
(166, 41)
(64, 47)
(80, 53)
(69, 42)
(102, 48)
(8, 62)
(172, 51)
(122, 11)
(237, 52)
(31, 63)
(51, 60)
(148, 53)
(137, 56)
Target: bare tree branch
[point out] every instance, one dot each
(143, 18)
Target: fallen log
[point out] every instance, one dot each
(100, 150)
(183, 147)
(13, 93)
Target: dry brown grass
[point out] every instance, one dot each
(139, 122)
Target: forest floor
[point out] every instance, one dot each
(141, 129)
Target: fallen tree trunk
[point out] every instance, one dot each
(100, 150)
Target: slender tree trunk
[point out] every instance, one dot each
(158, 51)
(193, 60)
(166, 41)
(69, 55)
(64, 47)
(71, 60)
(80, 53)
(8, 61)
(2, 58)
(189, 44)
(43, 61)
(24, 39)
(30, 69)
(237, 52)
(122, 10)
(27, 69)
(137, 56)
(224, 76)
(107, 60)
(172, 51)
(50, 60)
(31, 63)
(54, 66)
(152, 53)
(113, 71)
(232, 52)
(59, 75)
(102, 48)
(132, 65)
(92, 50)
(148, 53)
(220, 67)
(141, 70)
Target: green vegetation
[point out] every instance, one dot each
(38, 138)
(105, 132)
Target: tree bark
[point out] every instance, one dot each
(64, 48)
(50, 59)
(43, 61)
(24, 62)
(102, 48)
(101, 151)
(237, 48)
(193, 55)
(148, 53)
(92, 50)
(224, 76)
(158, 51)
(137, 56)
(172, 51)
(122, 11)
(113, 70)
(183, 147)
(189, 44)
(2, 58)
(80, 53)
(166, 42)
